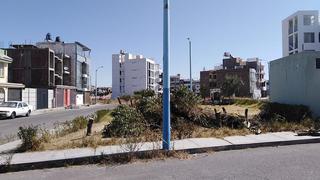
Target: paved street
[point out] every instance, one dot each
(288, 162)
(10, 126)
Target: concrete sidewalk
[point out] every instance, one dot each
(35, 160)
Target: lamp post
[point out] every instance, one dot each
(96, 88)
(191, 89)
(166, 76)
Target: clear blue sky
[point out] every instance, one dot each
(246, 28)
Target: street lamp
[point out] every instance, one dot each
(190, 64)
(166, 76)
(96, 79)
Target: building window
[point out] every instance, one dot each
(1, 70)
(319, 36)
(296, 41)
(308, 20)
(309, 37)
(295, 24)
(291, 43)
(290, 26)
(318, 63)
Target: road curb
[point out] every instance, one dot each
(99, 158)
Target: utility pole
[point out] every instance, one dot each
(96, 88)
(190, 57)
(166, 135)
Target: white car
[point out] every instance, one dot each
(13, 109)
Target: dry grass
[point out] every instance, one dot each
(219, 133)
(145, 157)
(235, 109)
(79, 138)
(285, 126)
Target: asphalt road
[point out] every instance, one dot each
(299, 162)
(10, 127)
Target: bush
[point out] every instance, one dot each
(72, 126)
(32, 137)
(290, 113)
(144, 93)
(127, 122)
(78, 123)
(151, 109)
(184, 102)
(182, 128)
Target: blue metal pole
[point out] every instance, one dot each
(166, 77)
(191, 88)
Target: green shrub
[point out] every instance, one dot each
(183, 102)
(32, 137)
(127, 122)
(151, 109)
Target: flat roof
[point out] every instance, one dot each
(85, 48)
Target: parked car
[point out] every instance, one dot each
(13, 109)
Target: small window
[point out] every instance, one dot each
(25, 105)
(20, 105)
(318, 63)
(308, 20)
(1, 70)
(309, 37)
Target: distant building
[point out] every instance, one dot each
(79, 65)
(295, 79)
(8, 91)
(251, 73)
(131, 73)
(176, 81)
(301, 32)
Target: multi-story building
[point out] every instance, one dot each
(250, 72)
(301, 32)
(8, 91)
(79, 65)
(44, 73)
(131, 73)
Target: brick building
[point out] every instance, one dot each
(251, 73)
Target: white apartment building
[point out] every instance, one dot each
(301, 32)
(131, 73)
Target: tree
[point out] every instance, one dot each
(231, 85)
